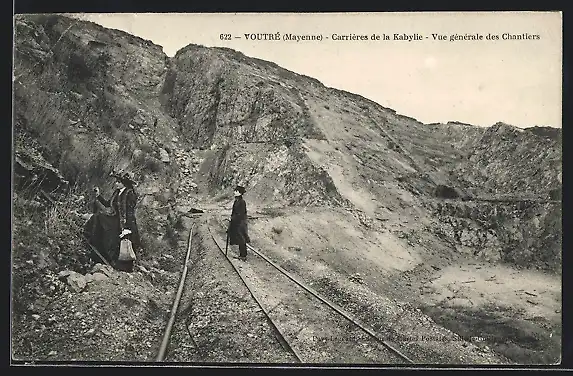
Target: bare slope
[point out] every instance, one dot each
(404, 199)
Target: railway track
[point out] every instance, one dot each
(309, 327)
(176, 302)
(179, 337)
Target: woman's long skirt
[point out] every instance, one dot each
(102, 231)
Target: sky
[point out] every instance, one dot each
(480, 82)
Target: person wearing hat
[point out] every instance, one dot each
(114, 219)
(127, 200)
(238, 231)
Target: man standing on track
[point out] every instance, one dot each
(238, 232)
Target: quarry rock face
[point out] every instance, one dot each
(277, 174)
(218, 95)
(96, 99)
(508, 160)
(523, 233)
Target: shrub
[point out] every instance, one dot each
(98, 167)
(171, 235)
(272, 212)
(70, 171)
(146, 147)
(148, 162)
(58, 221)
(179, 224)
(443, 191)
(82, 169)
(125, 141)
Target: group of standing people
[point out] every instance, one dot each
(114, 220)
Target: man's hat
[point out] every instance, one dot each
(240, 189)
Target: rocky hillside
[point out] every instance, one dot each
(289, 138)
(85, 101)
(89, 100)
(260, 122)
(73, 95)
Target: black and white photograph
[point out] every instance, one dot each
(287, 189)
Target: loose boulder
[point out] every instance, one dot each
(102, 269)
(164, 156)
(77, 282)
(99, 277)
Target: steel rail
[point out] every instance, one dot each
(278, 333)
(332, 305)
(167, 334)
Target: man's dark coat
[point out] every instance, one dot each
(238, 230)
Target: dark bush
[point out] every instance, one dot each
(555, 194)
(78, 70)
(443, 191)
(125, 141)
(148, 162)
